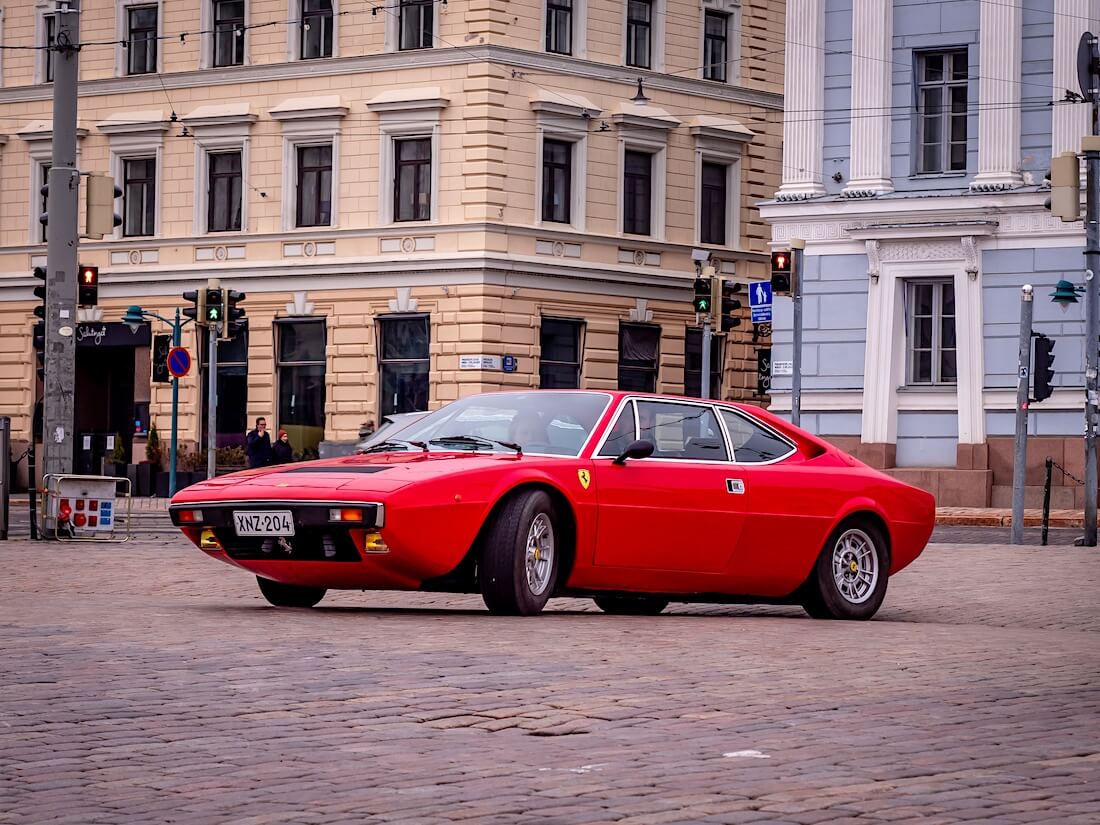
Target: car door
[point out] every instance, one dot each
(677, 509)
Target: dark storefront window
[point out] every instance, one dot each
(232, 413)
(404, 363)
(560, 359)
(639, 345)
(301, 379)
(693, 365)
(224, 208)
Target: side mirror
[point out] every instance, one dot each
(636, 449)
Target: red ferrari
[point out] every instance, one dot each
(632, 500)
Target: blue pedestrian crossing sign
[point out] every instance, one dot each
(760, 302)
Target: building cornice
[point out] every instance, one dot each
(519, 59)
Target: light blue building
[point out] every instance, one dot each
(916, 141)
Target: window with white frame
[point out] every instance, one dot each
(930, 324)
(313, 191)
(42, 177)
(48, 39)
(315, 30)
(416, 24)
(718, 149)
(720, 40)
(139, 196)
(643, 147)
(142, 32)
(942, 111)
(561, 149)
(714, 202)
(225, 180)
(559, 26)
(408, 169)
(639, 33)
(228, 33)
(311, 159)
(637, 192)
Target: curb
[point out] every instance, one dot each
(999, 518)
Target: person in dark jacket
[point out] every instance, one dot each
(281, 451)
(258, 445)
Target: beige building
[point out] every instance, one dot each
(408, 192)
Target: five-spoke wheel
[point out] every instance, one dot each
(849, 579)
(518, 566)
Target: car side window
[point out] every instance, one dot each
(685, 431)
(621, 434)
(753, 443)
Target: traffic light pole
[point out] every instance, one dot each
(62, 249)
(212, 399)
(704, 372)
(1091, 146)
(798, 250)
(173, 450)
(1019, 462)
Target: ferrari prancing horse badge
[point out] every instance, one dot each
(585, 478)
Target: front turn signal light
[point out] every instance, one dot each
(209, 541)
(373, 543)
(345, 514)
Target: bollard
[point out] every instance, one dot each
(1046, 500)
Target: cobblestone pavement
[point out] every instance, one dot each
(149, 684)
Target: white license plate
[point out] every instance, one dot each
(263, 523)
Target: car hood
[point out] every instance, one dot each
(381, 473)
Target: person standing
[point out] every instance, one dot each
(281, 451)
(258, 445)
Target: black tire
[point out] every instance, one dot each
(630, 605)
(824, 598)
(290, 595)
(502, 573)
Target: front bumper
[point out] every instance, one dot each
(317, 538)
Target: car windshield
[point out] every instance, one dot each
(545, 422)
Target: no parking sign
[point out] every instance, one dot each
(179, 361)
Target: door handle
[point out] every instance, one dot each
(735, 486)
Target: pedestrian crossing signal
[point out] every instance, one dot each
(88, 286)
(782, 272)
(701, 301)
(213, 306)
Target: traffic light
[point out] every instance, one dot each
(38, 334)
(782, 272)
(161, 346)
(197, 311)
(701, 301)
(100, 217)
(1064, 178)
(730, 305)
(88, 286)
(214, 308)
(232, 314)
(1042, 368)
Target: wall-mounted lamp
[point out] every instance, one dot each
(640, 97)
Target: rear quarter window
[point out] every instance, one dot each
(752, 442)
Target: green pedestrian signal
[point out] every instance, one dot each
(701, 301)
(213, 310)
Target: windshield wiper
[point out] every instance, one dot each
(475, 440)
(383, 446)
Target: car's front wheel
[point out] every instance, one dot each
(520, 555)
(290, 595)
(849, 579)
(630, 605)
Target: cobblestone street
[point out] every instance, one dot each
(146, 683)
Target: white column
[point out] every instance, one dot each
(1069, 121)
(803, 100)
(872, 42)
(1001, 45)
(880, 369)
(969, 360)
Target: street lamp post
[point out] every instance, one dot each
(136, 315)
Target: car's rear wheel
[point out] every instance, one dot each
(849, 578)
(520, 555)
(289, 595)
(630, 605)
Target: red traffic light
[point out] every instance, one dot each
(89, 276)
(781, 261)
(87, 286)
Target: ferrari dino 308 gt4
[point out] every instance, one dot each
(632, 500)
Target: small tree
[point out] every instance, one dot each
(118, 454)
(153, 450)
